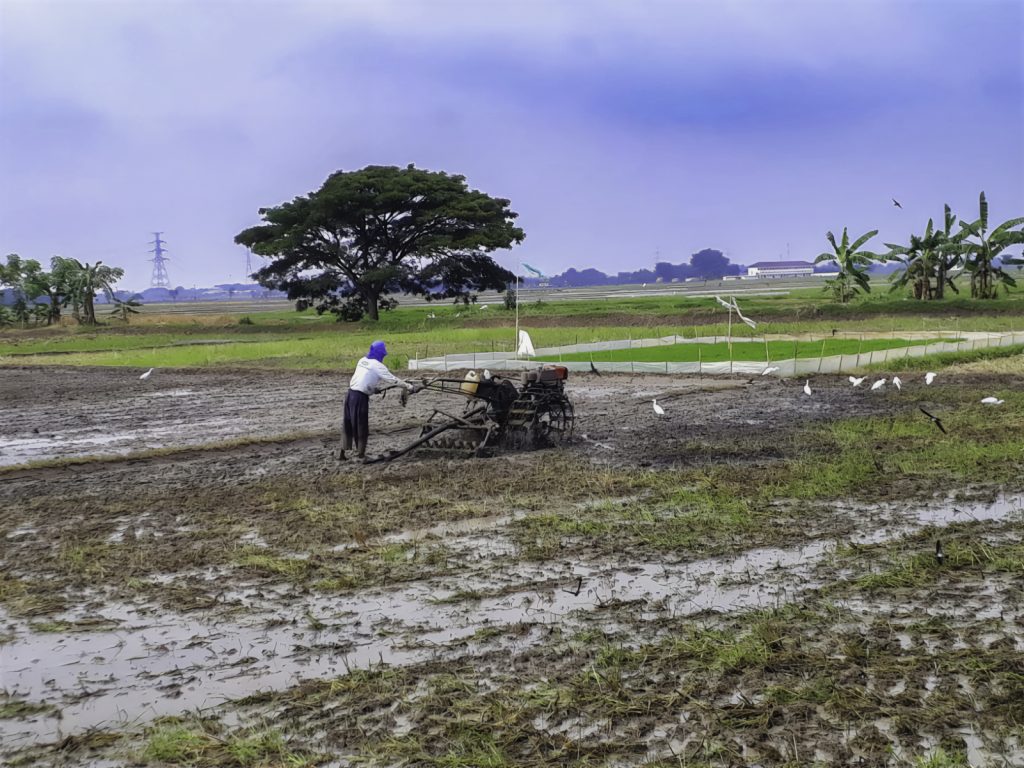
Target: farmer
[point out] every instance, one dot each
(369, 375)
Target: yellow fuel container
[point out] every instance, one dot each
(470, 384)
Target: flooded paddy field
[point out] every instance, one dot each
(189, 577)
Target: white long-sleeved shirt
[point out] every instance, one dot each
(369, 375)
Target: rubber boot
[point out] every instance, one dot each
(361, 449)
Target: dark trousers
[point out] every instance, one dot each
(356, 422)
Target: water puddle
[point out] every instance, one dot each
(91, 442)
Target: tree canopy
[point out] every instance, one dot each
(381, 230)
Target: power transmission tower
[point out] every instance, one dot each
(160, 278)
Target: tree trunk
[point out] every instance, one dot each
(89, 308)
(372, 311)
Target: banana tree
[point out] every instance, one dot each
(853, 265)
(927, 261)
(89, 279)
(950, 254)
(125, 308)
(982, 251)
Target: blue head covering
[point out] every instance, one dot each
(377, 351)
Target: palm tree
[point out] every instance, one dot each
(88, 280)
(986, 248)
(853, 265)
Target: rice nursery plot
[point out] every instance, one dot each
(741, 350)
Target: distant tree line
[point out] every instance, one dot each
(707, 264)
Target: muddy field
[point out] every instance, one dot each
(189, 548)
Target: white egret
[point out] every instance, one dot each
(146, 375)
(769, 369)
(878, 385)
(992, 401)
(483, 306)
(657, 408)
(929, 377)
(807, 387)
(897, 383)
(856, 381)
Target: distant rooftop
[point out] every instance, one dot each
(781, 264)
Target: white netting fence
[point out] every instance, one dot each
(962, 341)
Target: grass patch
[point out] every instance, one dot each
(967, 361)
(204, 743)
(12, 707)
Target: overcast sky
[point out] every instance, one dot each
(618, 129)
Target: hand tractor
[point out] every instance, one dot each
(498, 413)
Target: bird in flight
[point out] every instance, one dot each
(807, 387)
(929, 377)
(593, 370)
(935, 420)
(878, 385)
(856, 381)
(769, 369)
(146, 375)
(657, 408)
(897, 383)
(896, 203)
(992, 401)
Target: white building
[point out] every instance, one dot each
(780, 269)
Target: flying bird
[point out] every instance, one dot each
(939, 554)
(897, 383)
(483, 306)
(929, 377)
(992, 401)
(146, 375)
(807, 387)
(896, 203)
(769, 369)
(593, 370)
(935, 420)
(855, 381)
(878, 384)
(657, 408)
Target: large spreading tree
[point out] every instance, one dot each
(382, 230)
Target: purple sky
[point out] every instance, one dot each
(617, 129)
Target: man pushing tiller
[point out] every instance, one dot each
(369, 375)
